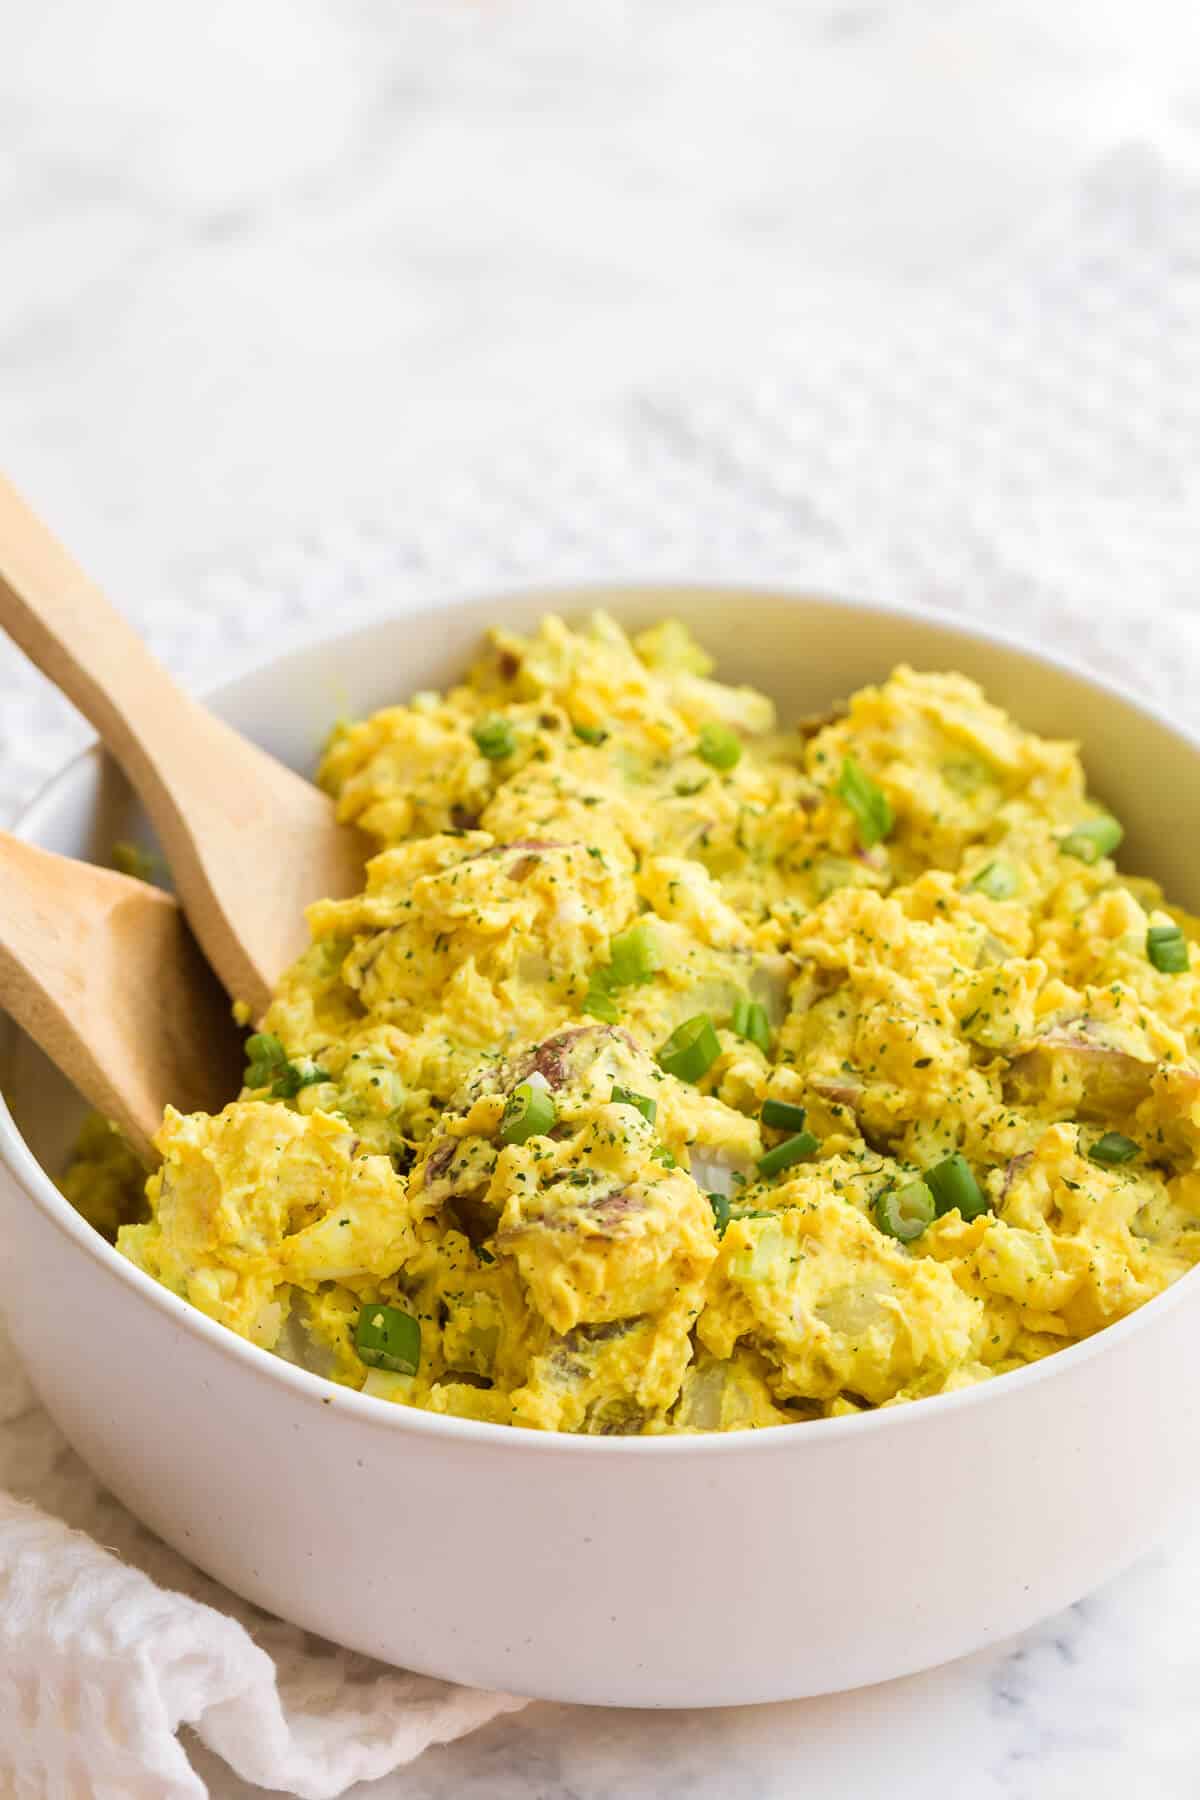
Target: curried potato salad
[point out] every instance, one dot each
(678, 1070)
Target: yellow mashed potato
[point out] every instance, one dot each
(677, 1071)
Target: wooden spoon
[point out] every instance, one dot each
(248, 842)
(102, 972)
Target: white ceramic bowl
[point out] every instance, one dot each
(682, 1572)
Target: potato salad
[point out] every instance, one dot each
(684, 1069)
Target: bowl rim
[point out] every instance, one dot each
(390, 1416)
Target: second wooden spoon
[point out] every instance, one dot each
(102, 972)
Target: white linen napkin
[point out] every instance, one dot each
(1025, 448)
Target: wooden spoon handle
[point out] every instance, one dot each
(64, 624)
(102, 972)
(226, 813)
(78, 639)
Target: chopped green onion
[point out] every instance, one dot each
(270, 1067)
(598, 1001)
(266, 1057)
(528, 1112)
(759, 1032)
(633, 957)
(1167, 949)
(1113, 1149)
(388, 1338)
(781, 1115)
(905, 1212)
(291, 1079)
(495, 738)
(720, 1211)
(661, 1154)
(590, 734)
(756, 1260)
(1093, 839)
(691, 1050)
(718, 746)
(792, 1150)
(999, 881)
(645, 1103)
(867, 801)
(750, 1021)
(952, 1184)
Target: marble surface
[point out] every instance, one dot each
(1098, 1702)
(266, 266)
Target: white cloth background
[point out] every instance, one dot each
(1024, 449)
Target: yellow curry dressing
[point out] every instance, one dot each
(471, 1107)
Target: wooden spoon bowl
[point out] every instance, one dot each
(102, 972)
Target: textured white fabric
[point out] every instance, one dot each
(105, 1652)
(1026, 450)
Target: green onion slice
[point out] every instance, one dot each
(1113, 1149)
(792, 1150)
(905, 1212)
(867, 801)
(633, 957)
(1166, 947)
(781, 1115)
(750, 1021)
(758, 1260)
(953, 1185)
(999, 881)
(590, 734)
(266, 1056)
(270, 1067)
(528, 1112)
(388, 1338)
(645, 1103)
(720, 1211)
(495, 738)
(691, 1050)
(718, 746)
(1093, 839)
(291, 1078)
(598, 1001)
(759, 1033)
